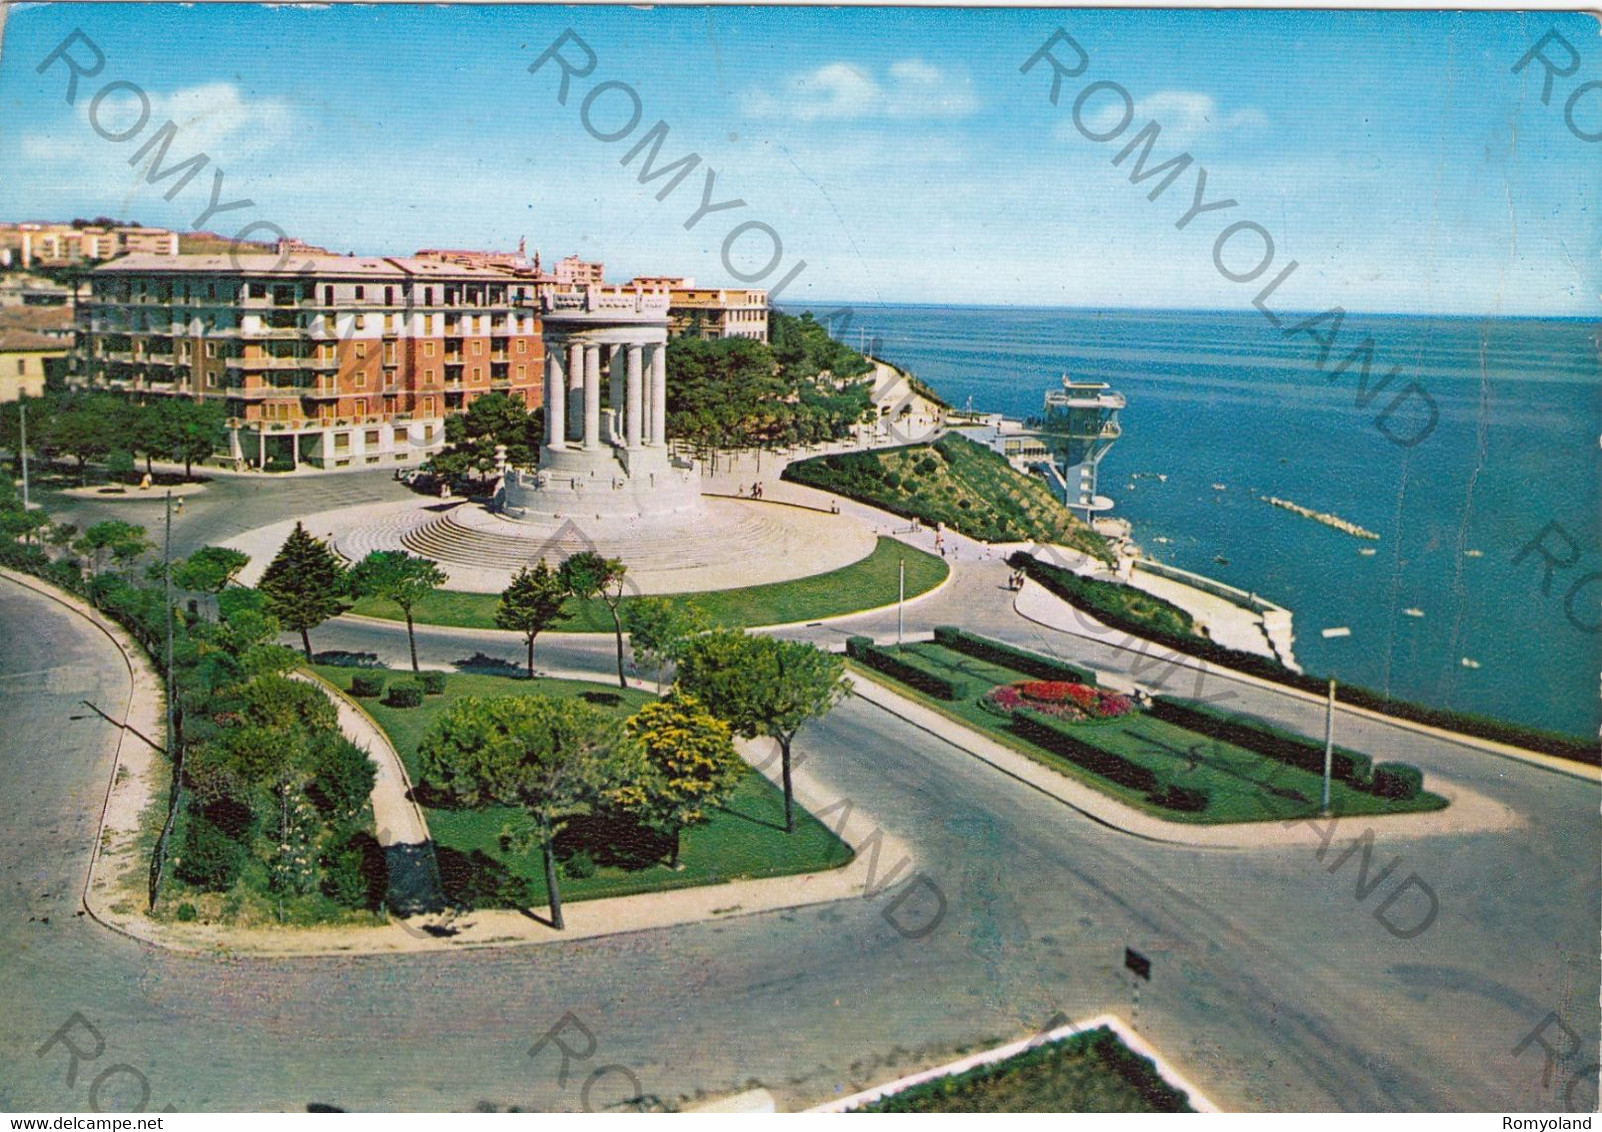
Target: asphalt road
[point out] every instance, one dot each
(1274, 985)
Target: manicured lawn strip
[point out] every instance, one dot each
(1242, 785)
(1121, 607)
(745, 839)
(862, 585)
(1089, 1072)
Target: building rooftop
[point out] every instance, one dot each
(295, 265)
(39, 320)
(14, 341)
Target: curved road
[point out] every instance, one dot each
(1274, 985)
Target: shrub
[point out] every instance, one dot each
(579, 865)
(186, 913)
(1009, 656)
(366, 685)
(343, 775)
(209, 858)
(1264, 739)
(863, 650)
(405, 694)
(1054, 736)
(1401, 781)
(356, 874)
(1184, 799)
(433, 682)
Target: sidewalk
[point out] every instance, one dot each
(115, 888)
(1469, 811)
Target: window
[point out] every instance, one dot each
(522, 346)
(328, 295)
(370, 438)
(361, 349)
(478, 346)
(361, 381)
(428, 349)
(392, 322)
(361, 322)
(389, 296)
(361, 292)
(257, 290)
(211, 349)
(22, 367)
(211, 290)
(522, 372)
(428, 296)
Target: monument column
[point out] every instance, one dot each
(575, 389)
(555, 399)
(631, 409)
(659, 394)
(592, 396)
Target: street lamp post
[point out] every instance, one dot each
(1329, 723)
(901, 601)
(22, 416)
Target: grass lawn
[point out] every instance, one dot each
(862, 585)
(1242, 785)
(1089, 1072)
(744, 839)
(953, 481)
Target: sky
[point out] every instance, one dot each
(902, 155)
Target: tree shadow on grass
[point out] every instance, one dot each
(752, 818)
(483, 664)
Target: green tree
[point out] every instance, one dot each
(763, 686)
(114, 539)
(492, 419)
(402, 578)
(532, 604)
(588, 575)
(209, 570)
(688, 766)
(192, 429)
(555, 759)
(81, 428)
(304, 585)
(659, 628)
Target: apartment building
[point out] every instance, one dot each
(62, 245)
(575, 272)
(709, 312)
(349, 361)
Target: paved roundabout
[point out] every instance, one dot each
(1274, 984)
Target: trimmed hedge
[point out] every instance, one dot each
(404, 695)
(1010, 656)
(863, 649)
(1401, 781)
(433, 683)
(367, 686)
(1264, 739)
(1054, 736)
(1096, 597)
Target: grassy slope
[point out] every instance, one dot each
(1092, 1072)
(1242, 786)
(861, 585)
(744, 839)
(954, 482)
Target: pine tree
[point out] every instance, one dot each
(304, 585)
(532, 604)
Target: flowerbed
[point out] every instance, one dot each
(1060, 699)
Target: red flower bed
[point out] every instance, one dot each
(1061, 698)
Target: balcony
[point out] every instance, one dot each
(269, 362)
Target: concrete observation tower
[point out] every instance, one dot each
(605, 454)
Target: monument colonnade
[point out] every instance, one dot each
(637, 390)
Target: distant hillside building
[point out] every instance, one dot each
(26, 359)
(62, 245)
(709, 312)
(349, 361)
(576, 272)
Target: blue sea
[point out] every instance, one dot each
(1226, 398)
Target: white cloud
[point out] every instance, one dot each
(1184, 115)
(911, 88)
(214, 118)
